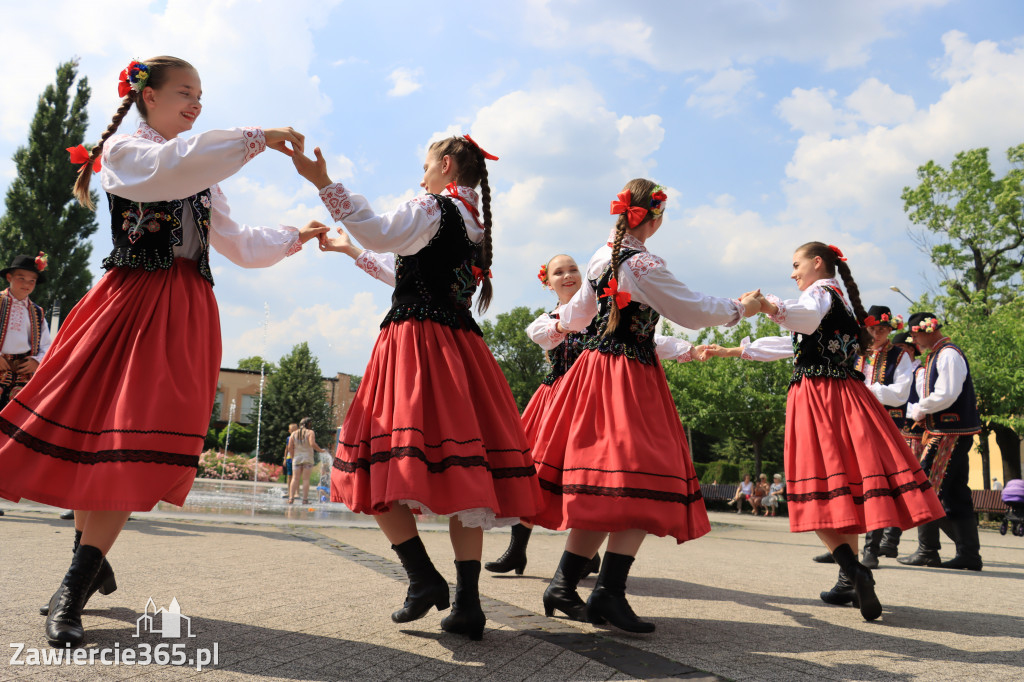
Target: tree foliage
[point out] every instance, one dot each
(294, 391)
(742, 403)
(973, 226)
(41, 214)
(521, 360)
(254, 363)
(242, 439)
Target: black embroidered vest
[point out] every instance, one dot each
(437, 282)
(634, 336)
(145, 233)
(832, 349)
(962, 416)
(565, 354)
(909, 429)
(883, 371)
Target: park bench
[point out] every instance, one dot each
(988, 501)
(714, 492)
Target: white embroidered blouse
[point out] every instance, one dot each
(801, 315)
(145, 167)
(17, 340)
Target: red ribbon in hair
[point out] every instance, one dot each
(634, 214)
(839, 254)
(489, 157)
(80, 155)
(479, 274)
(621, 298)
(453, 189)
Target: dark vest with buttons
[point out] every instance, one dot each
(437, 282)
(962, 416)
(883, 371)
(634, 335)
(565, 354)
(145, 233)
(832, 349)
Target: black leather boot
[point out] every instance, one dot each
(927, 552)
(593, 566)
(863, 582)
(561, 594)
(466, 618)
(515, 556)
(872, 539)
(825, 558)
(608, 600)
(104, 583)
(890, 545)
(426, 586)
(964, 532)
(64, 622)
(841, 593)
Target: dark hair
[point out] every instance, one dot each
(159, 68)
(640, 190)
(471, 170)
(832, 263)
(305, 422)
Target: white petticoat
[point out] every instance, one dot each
(480, 517)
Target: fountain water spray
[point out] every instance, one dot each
(227, 442)
(259, 410)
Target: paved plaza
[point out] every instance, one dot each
(300, 599)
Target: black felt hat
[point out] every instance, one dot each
(903, 338)
(881, 315)
(917, 320)
(25, 262)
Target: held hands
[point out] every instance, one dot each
(314, 228)
(713, 350)
(751, 302)
(280, 138)
(313, 170)
(342, 244)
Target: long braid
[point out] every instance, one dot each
(484, 299)
(81, 190)
(620, 231)
(853, 291)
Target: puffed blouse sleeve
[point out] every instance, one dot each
(141, 169)
(767, 348)
(380, 266)
(802, 315)
(249, 247)
(672, 348)
(404, 231)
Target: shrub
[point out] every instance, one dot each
(231, 467)
(721, 471)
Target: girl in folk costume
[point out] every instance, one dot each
(848, 470)
(611, 453)
(115, 418)
(562, 275)
(433, 426)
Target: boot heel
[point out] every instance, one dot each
(443, 600)
(521, 567)
(109, 585)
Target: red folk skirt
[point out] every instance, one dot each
(848, 468)
(116, 414)
(536, 409)
(612, 455)
(434, 425)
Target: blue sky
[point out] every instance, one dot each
(772, 123)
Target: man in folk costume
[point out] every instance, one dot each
(889, 374)
(948, 408)
(24, 337)
(912, 432)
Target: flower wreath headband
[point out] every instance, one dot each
(636, 214)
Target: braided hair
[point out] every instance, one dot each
(471, 170)
(159, 68)
(640, 190)
(832, 264)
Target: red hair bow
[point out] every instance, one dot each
(489, 157)
(479, 274)
(80, 155)
(621, 298)
(634, 214)
(835, 249)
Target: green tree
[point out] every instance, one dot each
(294, 391)
(254, 363)
(243, 439)
(972, 227)
(41, 213)
(521, 360)
(734, 400)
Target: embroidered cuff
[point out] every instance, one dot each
(255, 142)
(780, 316)
(685, 357)
(367, 262)
(296, 245)
(744, 344)
(337, 201)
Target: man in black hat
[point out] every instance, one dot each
(912, 432)
(24, 336)
(889, 374)
(948, 410)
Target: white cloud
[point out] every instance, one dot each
(721, 94)
(875, 103)
(404, 81)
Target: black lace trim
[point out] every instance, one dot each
(443, 441)
(364, 463)
(827, 371)
(422, 311)
(684, 479)
(606, 491)
(857, 499)
(609, 345)
(101, 456)
(201, 436)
